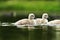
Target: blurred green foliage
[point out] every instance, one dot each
(29, 0)
(23, 8)
(30, 5)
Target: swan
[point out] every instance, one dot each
(26, 22)
(54, 22)
(42, 20)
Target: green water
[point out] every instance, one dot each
(14, 33)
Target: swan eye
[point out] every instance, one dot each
(32, 16)
(46, 15)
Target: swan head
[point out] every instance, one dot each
(45, 16)
(31, 16)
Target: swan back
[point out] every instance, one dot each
(54, 22)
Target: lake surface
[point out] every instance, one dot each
(14, 33)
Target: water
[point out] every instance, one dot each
(14, 33)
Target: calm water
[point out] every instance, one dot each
(14, 33)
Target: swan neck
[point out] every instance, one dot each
(30, 18)
(43, 18)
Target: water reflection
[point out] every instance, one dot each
(42, 35)
(58, 36)
(14, 33)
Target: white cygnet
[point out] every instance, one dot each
(54, 22)
(42, 20)
(26, 22)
